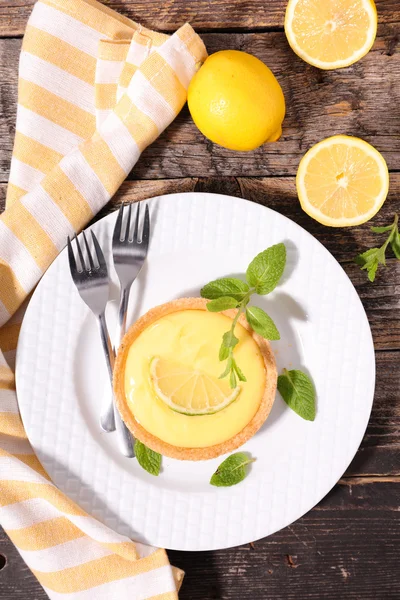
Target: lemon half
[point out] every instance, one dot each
(190, 391)
(342, 181)
(331, 34)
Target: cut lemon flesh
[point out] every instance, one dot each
(331, 34)
(342, 181)
(190, 391)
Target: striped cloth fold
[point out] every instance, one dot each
(95, 89)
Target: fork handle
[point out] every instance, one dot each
(122, 315)
(125, 439)
(111, 417)
(107, 419)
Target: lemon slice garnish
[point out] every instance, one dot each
(342, 181)
(331, 34)
(189, 391)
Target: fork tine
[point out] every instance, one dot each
(99, 253)
(137, 215)
(83, 264)
(71, 257)
(91, 262)
(117, 235)
(146, 227)
(128, 225)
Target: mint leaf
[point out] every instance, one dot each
(149, 460)
(372, 269)
(265, 271)
(371, 256)
(223, 352)
(238, 371)
(395, 244)
(232, 379)
(229, 339)
(232, 470)
(381, 229)
(370, 260)
(261, 323)
(234, 288)
(222, 303)
(228, 368)
(297, 390)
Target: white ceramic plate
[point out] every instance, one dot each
(61, 381)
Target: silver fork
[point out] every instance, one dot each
(129, 254)
(92, 282)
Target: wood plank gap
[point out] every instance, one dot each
(216, 177)
(368, 479)
(239, 30)
(382, 350)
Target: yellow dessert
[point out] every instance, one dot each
(168, 388)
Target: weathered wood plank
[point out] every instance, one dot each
(347, 547)
(9, 51)
(168, 15)
(16, 580)
(379, 453)
(363, 100)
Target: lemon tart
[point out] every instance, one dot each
(167, 384)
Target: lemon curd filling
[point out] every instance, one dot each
(192, 338)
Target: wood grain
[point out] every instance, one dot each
(363, 100)
(379, 453)
(348, 547)
(167, 15)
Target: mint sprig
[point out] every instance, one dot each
(149, 460)
(232, 470)
(372, 258)
(263, 275)
(297, 390)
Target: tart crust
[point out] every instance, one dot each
(156, 443)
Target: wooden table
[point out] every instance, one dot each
(348, 547)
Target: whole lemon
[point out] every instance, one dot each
(236, 101)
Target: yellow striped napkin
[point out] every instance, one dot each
(94, 90)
